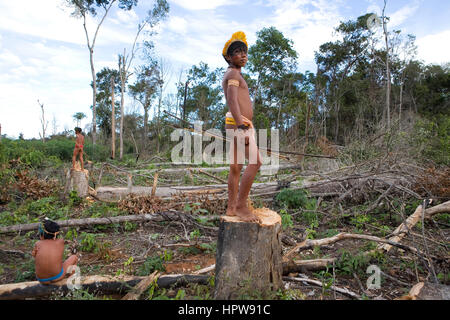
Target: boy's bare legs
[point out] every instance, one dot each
(248, 177)
(233, 184)
(70, 261)
(74, 157)
(251, 153)
(80, 153)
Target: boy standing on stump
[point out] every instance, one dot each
(239, 120)
(78, 150)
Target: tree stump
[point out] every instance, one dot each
(78, 180)
(249, 256)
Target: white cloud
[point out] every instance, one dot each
(434, 48)
(8, 59)
(307, 23)
(398, 17)
(203, 4)
(401, 15)
(127, 17)
(177, 24)
(50, 20)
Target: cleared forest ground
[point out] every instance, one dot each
(320, 201)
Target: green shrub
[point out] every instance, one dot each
(151, 264)
(292, 199)
(349, 263)
(74, 199)
(33, 158)
(88, 242)
(286, 219)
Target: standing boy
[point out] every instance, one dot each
(239, 119)
(78, 150)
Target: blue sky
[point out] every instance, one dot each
(43, 52)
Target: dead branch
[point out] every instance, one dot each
(308, 243)
(412, 220)
(212, 176)
(141, 286)
(343, 291)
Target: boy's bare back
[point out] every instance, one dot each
(80, 139)
(48, 257)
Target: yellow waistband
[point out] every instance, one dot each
(230, 120)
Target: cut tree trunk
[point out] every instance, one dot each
(93, 284)
(78, 180)
(248, 259)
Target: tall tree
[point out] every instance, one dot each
(165, 74)
(83, 8)
(44, 123)
(270, 59)
(104, 100)
(337, 61)
(384, 20)
(203, 99)
(78, 117)
(153, 18)
(144, 90)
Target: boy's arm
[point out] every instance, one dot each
(33, 253)
(232, 99)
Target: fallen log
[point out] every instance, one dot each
(428, 291)
(306, 265)
(162, 216)
(94, 284)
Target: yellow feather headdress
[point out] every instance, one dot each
(237, 36)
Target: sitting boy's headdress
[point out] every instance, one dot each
(48, 229)
(237, 36)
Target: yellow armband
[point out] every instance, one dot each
(233, 82)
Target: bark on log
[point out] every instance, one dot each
(94, 284)
(93, 221)
(248, 259)
(306, 265)
(429, 291)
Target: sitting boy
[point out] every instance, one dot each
(48, 253)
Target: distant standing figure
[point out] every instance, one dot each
(79, 144)
(48, 253)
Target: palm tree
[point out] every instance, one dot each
(78, 117)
